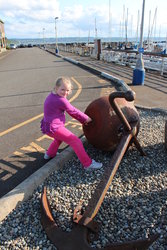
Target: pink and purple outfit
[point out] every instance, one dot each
(53, 124)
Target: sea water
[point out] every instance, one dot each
(77, 40)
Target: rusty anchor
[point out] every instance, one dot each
(77, 239)
(83, 221)
(108, 123)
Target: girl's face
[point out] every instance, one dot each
(63, 90)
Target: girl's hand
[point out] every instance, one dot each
(88, 121)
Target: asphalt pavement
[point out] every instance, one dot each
(151, 95)
(24, 86)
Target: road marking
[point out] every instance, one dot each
(7, 176)
(20, 125)
(78, 91)
(41, 115)
(33, 147)
(101, 81)
(74, 124)
(44, 137)
(106, 91)
(18, 153)
(8, 169)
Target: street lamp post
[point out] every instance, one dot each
(56, 45)
(139, 71)
(44, 38)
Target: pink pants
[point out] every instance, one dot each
(64, 135)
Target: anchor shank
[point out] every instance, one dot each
(101, 189)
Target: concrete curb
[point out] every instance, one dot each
(25, 190)
(70, 60)
(116, 80)
(164, 111)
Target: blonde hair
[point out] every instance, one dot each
(65, 80)
(61, 80)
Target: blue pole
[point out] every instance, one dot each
(139, 71)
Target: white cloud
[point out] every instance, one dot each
(72, 13)
(28, 17)
(28, 4)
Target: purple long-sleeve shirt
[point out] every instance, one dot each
(54, 113)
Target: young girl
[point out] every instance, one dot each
(53, 123)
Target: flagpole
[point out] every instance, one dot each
(139, 71)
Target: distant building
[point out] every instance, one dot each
(2, 37)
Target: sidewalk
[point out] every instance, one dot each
(151, 95)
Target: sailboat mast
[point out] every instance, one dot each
(148, 38)
(126, 28)
(109, 21)
(89, 36)
(154, 22)
(137, 30)
(123, 23)
(95, 29)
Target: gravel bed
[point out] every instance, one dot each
(134, 207)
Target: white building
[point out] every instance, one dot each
(2, 37)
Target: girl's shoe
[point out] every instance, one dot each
(46, 156)
(94, 165)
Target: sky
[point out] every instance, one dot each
(76, 18)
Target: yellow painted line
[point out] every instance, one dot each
(20, 125)
(33, 147)
(73, 124)
(37, 147)
(44, 137)
(78, 91)
(41, 115)
(105, 91)
(18, 153)
(7, 176)
(8, 169)
(101, 81)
